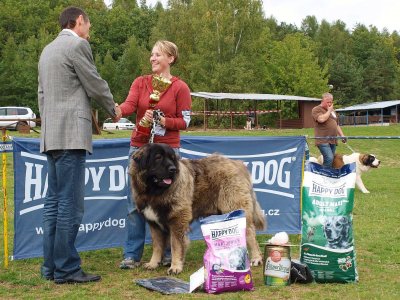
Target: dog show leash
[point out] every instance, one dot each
(335, 137)
(152, 133)
(348, 146)
(157, 114)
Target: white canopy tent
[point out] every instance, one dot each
(251, 97)
(238, 96)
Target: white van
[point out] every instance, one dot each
(10, 114)
(122, 124)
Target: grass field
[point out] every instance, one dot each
(376, 230)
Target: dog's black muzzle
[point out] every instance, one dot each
(172, 170)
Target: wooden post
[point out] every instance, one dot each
(230, 109)
(218, 119)
(255, 113)
(206, 112)
(95, 125)
(204, 115)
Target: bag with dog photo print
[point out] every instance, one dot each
(226, 261)
(327, 243)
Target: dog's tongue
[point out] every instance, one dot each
(167, 181)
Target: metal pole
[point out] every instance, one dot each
(367, 118)
(381, 116)
(5, 221)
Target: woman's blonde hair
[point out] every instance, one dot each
(169, 49)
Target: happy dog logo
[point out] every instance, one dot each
(321, 190)
(270, 172)
(104, 179)
(230, 231)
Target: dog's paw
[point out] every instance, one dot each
(174, 270)
(151, 265)
(256, 262)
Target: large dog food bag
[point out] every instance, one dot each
(327, 244)
(226, 261)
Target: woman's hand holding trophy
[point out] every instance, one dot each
(160, 85)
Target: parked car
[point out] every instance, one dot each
(122, 124)
(10, 115)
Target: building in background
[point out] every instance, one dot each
(375, 113)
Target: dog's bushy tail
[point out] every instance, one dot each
(258, 216)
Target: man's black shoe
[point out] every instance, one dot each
(81, 277)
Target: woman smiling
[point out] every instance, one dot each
(174, 105)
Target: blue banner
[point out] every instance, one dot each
(275, 164)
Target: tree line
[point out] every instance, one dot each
(224, 45)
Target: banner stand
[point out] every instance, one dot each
(5, 219)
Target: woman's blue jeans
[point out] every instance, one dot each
(63, 212)
(136, 225)
(328, 152)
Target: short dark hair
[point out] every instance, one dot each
(69, 15)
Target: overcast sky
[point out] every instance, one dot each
(380, 13)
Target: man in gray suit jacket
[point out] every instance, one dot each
(67, 80)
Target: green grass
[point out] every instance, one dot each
(376, 230)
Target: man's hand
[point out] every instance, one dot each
(322, 118)
(118, 113)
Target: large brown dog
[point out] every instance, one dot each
(171, 193)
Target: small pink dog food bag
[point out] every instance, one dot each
(226, 260)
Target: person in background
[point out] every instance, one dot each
(67, 80)
(175, 104)
(248, 124)
(326, 125)
(251, 115)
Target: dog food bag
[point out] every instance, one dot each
(226, 261)
(327, 243)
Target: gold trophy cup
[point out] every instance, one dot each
(160, 85)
